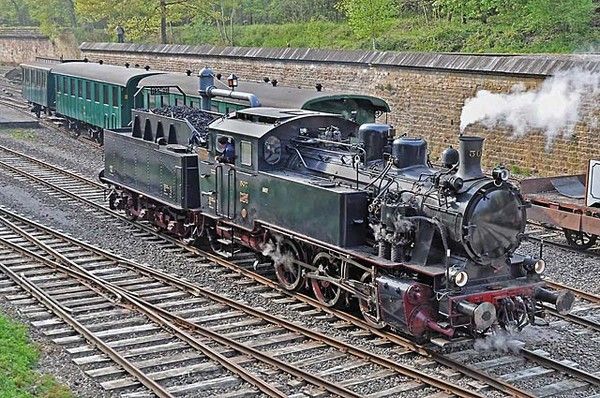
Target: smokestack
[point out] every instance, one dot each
(470, 151)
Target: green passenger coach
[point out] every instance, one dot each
(96, 96)
(36, 87)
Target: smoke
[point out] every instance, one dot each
(501, 340)
(553, 108)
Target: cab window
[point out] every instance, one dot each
(246, 153)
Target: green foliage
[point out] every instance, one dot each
(368, 19)
(52, 15)
(401, 25)
(17, 359)
(14, 13)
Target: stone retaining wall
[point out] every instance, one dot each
(425, 91)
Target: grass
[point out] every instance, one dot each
(18, 358)
(520, 171)
(24, 135)
(407, 33)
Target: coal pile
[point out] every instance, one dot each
(197, 117)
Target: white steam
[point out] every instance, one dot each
(501, 341)
(553, 108)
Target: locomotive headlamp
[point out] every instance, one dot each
(533, 265)
(539, 266)
(500, 174)
(456, 183)
(232, 81)
(458, 277)
(461, 278)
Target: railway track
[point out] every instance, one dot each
(10, 96)
(71, 187)
(555, 238)
(103, 296)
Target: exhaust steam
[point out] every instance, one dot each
(553, 108)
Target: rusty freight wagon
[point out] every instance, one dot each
(571, 203)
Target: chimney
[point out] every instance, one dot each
(470, 151)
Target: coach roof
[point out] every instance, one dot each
(117, 75)
(269, 96)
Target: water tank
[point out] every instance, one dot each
(409, 152)
(374, 137)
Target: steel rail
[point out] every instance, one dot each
(570, 370)
(168, 320)
(145, 308)
(500, 385)
(54, 168)
(567, 247)
(57, 309)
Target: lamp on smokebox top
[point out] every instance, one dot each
(534, 265)
(500, 174)
(232, 81)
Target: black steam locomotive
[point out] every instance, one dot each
(350, 211)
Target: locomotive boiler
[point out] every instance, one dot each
(350, 212)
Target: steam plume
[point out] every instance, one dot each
(499, 341)
(553, 108)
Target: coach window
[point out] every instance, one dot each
(59, 85)
(88, 90)
(115, 96)
(105, 94)
(97, 92)
(79, 88)
(72, 86)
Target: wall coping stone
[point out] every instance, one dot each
(512, 64)
(22, 33)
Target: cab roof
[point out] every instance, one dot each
(257, 122)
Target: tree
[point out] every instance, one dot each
(140, 18)
(14, 12)
(52, 15)
(368, 18)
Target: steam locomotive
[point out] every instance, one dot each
(347, 210)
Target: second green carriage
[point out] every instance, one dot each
(96, 96)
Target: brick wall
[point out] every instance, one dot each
(424, 101)
(24, 45)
